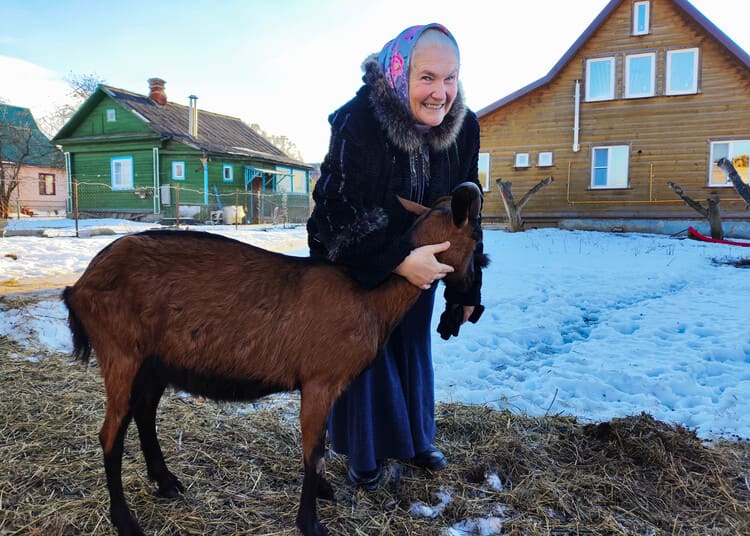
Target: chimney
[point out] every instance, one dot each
(156, 91)
(193, 116)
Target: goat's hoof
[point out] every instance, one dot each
(170, 487)
(313, 529)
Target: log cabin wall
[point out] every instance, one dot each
(666, 137)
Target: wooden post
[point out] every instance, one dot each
(177, 204)
(236, 207)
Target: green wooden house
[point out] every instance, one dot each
(143, 157)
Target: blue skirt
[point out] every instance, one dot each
(389, 410)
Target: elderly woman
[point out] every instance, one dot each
(407, 133)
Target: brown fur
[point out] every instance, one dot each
(223, 319)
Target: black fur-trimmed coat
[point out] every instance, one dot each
(377, 152)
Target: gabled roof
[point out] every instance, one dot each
(217, 134)
(684, 5)
(17, 128)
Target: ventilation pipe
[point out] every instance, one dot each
(577, 117)
(193, 116)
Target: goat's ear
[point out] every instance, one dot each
(466, 203)
(412, 207)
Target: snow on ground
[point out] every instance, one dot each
(580, 323)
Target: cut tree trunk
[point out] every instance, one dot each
(712, 213)
(513, 210)
(739, 185)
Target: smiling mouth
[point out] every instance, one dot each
(433, 106)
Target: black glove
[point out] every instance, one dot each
(453, 316)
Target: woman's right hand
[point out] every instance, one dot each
(421, 268)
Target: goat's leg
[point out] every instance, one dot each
(325, 490)
(112, 437)
(313, 414)
(146, 398)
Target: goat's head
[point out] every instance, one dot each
(454, 219)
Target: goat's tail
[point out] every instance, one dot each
(81, 341)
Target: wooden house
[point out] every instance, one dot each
(143, 157)
(651, 92)
(33, 170)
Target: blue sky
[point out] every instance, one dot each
(284, 64)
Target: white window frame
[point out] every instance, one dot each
(638, 9)
(111, 115)
(545, 159)
(227, 177)
(651, 91)
(716, 176)
(668, 74)
(522, 159)
(483, 171)
(610, 180)
(611, 94)
(178, 170)
(121, 168)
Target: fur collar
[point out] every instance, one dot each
(399, 123)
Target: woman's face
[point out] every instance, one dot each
(433, 80)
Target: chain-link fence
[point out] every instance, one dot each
(174, 202)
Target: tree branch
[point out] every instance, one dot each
(739, 185)
(695, 205)
(541, 184)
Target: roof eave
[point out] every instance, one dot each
(688, 8)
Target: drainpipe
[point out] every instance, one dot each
(69, 173)
(577, 117)
(205, 180)
(157, 180)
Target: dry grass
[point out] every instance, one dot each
(242, 470)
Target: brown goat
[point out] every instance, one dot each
(229, 321)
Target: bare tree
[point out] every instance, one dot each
(81, 88)
(513, 209)
(280, 142)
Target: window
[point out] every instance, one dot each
(738, 152)
(227, 173)
(122, 172)
(299, 180)
(640, 74)
(682, 71)
(111, 115)
(641, 18)
(600, 79)
(283, 182)
(544, 159)
(521, 160)
(484, 171)
(46, 184)
(178, 171)
(609, 167)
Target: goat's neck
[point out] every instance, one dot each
(392, 299)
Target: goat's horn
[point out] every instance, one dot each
(466, 202)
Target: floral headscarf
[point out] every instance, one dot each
(396, 54)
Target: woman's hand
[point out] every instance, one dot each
(421, 268)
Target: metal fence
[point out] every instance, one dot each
(174, 202)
